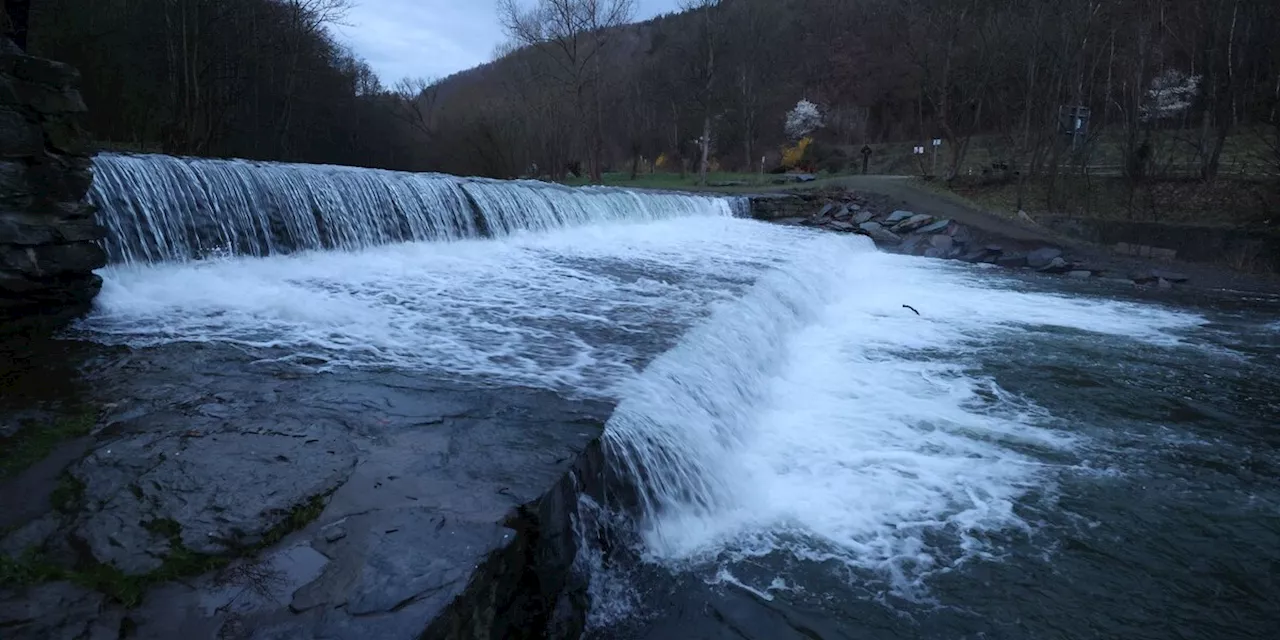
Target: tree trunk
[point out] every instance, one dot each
(706, 150)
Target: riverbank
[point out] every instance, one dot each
(848, 204)
(383, 504)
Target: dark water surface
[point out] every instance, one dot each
(1137, 484)
(1162, 522)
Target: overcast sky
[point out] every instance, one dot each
(434, 38)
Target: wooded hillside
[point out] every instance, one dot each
(1165, 81)
(1166, 84)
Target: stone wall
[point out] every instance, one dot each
(48, 236)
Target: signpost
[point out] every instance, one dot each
(1074, 122)
(937, 143)
(866, 157)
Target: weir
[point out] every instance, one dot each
(159, 208)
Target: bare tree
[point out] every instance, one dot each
(416, 105)
(573, 34)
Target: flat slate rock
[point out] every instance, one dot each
(898, 216)
(222, 490)
(879, 233)
(911, 224)
(1043, 257)
(935, 227)
(57, 610)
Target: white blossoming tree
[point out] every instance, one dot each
(1170, 95)
(803, 120)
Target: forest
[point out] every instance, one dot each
(1158, 87)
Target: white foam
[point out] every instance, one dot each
(817, 417)
(803, 410)
(565, 310)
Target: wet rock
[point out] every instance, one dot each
(1041, 258)
(934, 227)
(1164, 284)
(1154, 275)
(46, 72)
(53, 259)
(841, 226)
(49, 100)
(897, 216)
(1012, 260)
(914, 245)
(843, 214)
(18, 137)
(994, 248)
(334, 532)
(879, 234)
(863, 217)
(58, 610)
(1057, 265)
(65, 135)
(912, 223)
(210, 493)
(1080, 274)
(826, 210)
(33, 229)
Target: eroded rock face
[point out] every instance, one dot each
(48, 239)
(58, 610)
(211, 493)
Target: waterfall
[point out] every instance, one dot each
(159, 208)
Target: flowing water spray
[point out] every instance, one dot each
(774, 398)
(160, 208)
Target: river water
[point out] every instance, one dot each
(1025, 457)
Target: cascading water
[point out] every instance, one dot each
(787, 427)
(160, 208)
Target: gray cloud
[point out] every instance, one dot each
(434, 38)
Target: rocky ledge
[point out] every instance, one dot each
(433, 512)
(48, 237)
(921, 234)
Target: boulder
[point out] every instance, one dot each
(1080, 274)
(1042, 257)
(843, 213)
(934, 227)
(879, 234)
(911, 224)
(826, 210)
(897, 216)
(1154, 275)
(1164, 284)
(837, 225)
(1012, 260)
(863, 217)
(209, 492)
(1057, 265)
(942, 243)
